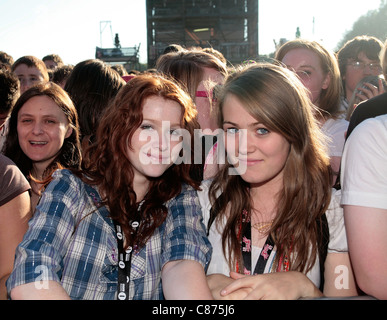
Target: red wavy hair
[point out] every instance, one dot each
(106, 162)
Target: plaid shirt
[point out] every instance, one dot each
(72, 240)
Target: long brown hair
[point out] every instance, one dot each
(106, 162)
(275, 97)
(70, 153)
(187, 67)
(92, 85)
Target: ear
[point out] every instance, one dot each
(326, 81)
(69, 132)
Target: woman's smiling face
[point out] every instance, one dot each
(42, 128)
(153, 148)
(261, 153)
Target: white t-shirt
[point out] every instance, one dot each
(364, 165)
(335, 130)
(218, 263)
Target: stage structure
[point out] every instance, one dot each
(230, 26)
(128, 56)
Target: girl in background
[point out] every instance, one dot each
(319, 71)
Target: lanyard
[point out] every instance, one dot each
(125, 258)
(246, 252)
(283, 265)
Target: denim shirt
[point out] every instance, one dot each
(71, 240)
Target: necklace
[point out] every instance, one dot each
(263, 227)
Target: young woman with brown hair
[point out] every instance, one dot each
(270, 208)
(43, 135)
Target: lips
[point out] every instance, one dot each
(158, 159)
(249, 162)
(38, 143)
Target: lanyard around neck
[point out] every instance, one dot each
(246, 252)
(125, 257)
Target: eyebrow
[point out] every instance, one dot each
(28, 75)
(157, 121)
(302, 66)
(32, 115)
(251, 125)
(229, 122)
(363, 60)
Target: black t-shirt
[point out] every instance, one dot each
(374, 107)
(371, 108)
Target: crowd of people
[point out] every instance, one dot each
(197, 179)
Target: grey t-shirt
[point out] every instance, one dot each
(12, 181)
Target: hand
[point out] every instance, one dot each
(217, 282)
(370, 91)
(273, 286)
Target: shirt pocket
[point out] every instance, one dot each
(139, 264)
(109, 271)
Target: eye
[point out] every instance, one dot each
(304, 74)
(262, 131)
(146, 127)
(231, 130)
(175, 132)
(25, 120)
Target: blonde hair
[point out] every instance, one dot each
(329, 100)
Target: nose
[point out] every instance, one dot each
(164, 143)
(25, 84)
(37, 129)
(159, 141)
(245, 143)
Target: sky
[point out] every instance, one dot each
(74, 28)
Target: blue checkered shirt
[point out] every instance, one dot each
(72, 240)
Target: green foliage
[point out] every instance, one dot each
(373, 23)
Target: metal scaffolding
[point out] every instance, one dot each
(128, 56)
(230, 26)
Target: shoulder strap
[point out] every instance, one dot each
(323, 240)
(214, 212)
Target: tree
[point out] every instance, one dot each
(373, 23)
